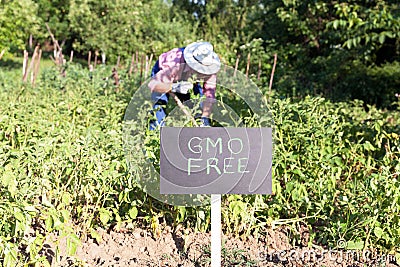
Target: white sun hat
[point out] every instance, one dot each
(200, 57)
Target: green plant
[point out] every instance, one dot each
(64, 173)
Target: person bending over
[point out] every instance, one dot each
(174, 71)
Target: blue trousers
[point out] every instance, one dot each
(160, 100)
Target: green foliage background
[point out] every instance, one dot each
(336, 49)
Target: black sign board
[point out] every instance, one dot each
(215, 160)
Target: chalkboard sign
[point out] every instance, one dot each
(215, 160)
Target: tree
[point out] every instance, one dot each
(18, 19)
(123, 27)
(55, 14)
(229, 25)
(339, 49)
(372, 30)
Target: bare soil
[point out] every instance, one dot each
(184, 248)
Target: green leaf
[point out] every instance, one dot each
(354, 41)
(378, 232)
(237, 207)
(338, 161)
(65, 215)
(6, 178)
(382, 38)
(397, 256)
(66, 198)
(94, 234)
(373, 186)
(335, 24)
(19, 215)
(30, 209)
(121, 196)
(116, 214)
(133, 212)
(201, 215)
(181, 214)
(10, 255)
(49, 223)
(72, 244)
(355, 245)
(104, 216)
(390, 34)
(57, 224)
(368, 146)
(348, 44)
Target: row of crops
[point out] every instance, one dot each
(63, 169)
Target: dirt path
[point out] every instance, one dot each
(139, 248)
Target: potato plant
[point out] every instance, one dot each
(63, 169)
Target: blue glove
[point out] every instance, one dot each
(205, 122)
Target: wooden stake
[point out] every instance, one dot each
(2, 53)
(137, 61)
(146, 68)
(103, 58)
(89, 58)
(248, 65)
(272, 73)
(30, 41)
(25, 64)
(150, 60)
(61, 58)
(183, 108)
(131, 66)
(141, 68)
(52, 37)
(115, 76)
(96, 53)
(118, 59)
(150, 64)
(54, 61)
(71, 56)
(31, 64)
(235, 71)
(58, 56)
(37, 65)
(236, 66)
